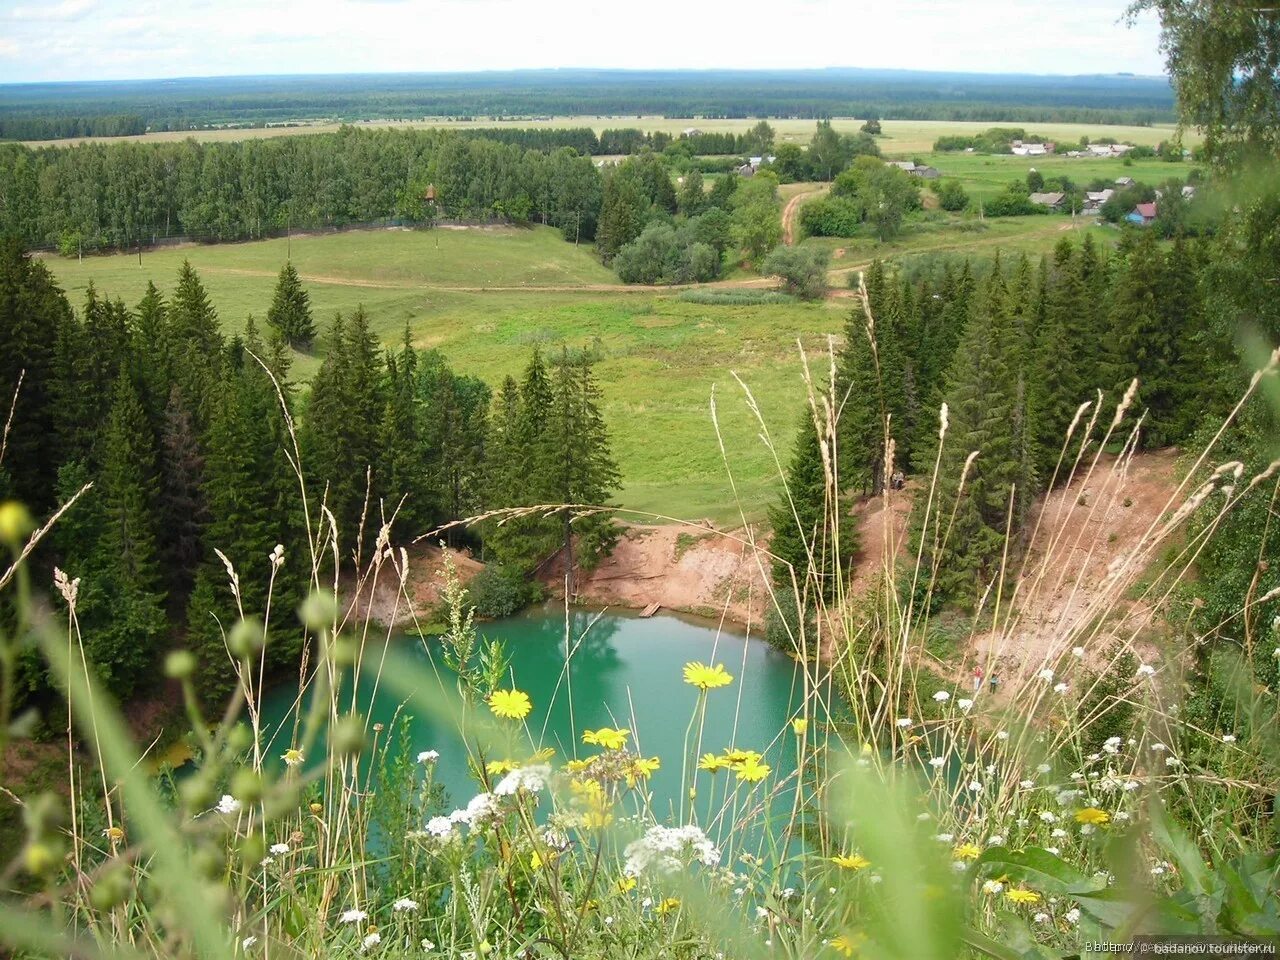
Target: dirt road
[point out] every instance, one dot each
(792, 210)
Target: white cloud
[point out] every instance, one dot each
(210, 37)
(66, 10)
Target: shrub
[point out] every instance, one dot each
(831, 217)
(498, 591)
(735, 298)
(803, 270)
(951, 196)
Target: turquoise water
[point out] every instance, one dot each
(624, 672)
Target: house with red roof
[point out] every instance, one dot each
(1143, 215)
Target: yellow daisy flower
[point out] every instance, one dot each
(1017, 895)
(845, 945)
(711, 763)
(706, 678)
(292, 757)
(498, 767)
(852, 861)
(799, 725)
(510, 704)
(1092, 815)
(967, 851)
(626, 884)
(752, 771)
(606, 737)
(736, 758)
(641, 768)
(667, 905)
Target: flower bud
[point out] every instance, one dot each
(15, 523)
(348, 735)
(319, 610)
(180, 665)
(246, 786)
(245, 638)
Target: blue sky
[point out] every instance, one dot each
(123, 39)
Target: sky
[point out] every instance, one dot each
(43, 40)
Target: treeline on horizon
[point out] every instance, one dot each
(190, 104)
(190, 438)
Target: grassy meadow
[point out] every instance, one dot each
(985, 175)
(486, 297)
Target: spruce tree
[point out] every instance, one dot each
(122, 613)
(455, 414)
(582, 469)
(813, 534)
(32, 314)
(404, 480)
(197, 344)
(863, 408)
(987, 415)
(290, 310)
(1144, 339)
(180, 502)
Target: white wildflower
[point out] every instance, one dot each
(404, 904)
(995, 840)
(248, 942)
(279, 848)
(975, 786)
(942, 696)
(1059, 833)
(1072, 915)
(1146, 670)
(936, 762)
(440, 827)
(228, 804)
(1061, 688)
(1159, 747)
(1040, 918)
(1002, 734)
(964, 703)
(904, 722)
(480, 809)
(1054, 850)
(1228, 738)
(1046, 675)
(662, 847)
(370, 941)
(945, 837)
(1027, 784)
(353, 916)
(1043, 768)
(530, 779)
(1172, 762)
(992, 886)
(428, 945)
(428, 756)
(1048, 816)
(1077, 652)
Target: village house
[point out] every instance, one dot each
(1020, 149)
(916, 170)
(1124, 181)
(1094, 199)
(1143, 215)
(1051, 200)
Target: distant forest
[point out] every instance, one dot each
(51, 110)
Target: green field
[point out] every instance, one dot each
(984, 175)
(487, 297)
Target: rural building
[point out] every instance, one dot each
(690, 132)
(1109, 149)
(1144, 214)
(1188, 191)
(1124, 181)
(1020, 149)
(1094, 199)
(916, 170)
(1051, 200)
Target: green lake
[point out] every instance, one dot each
(624, 671)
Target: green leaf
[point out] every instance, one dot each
(1036, 867)
(1175, 842)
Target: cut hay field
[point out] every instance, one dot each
(901, 137)
(488, 297)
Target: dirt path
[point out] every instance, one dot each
(792, 210)
(496, 288)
